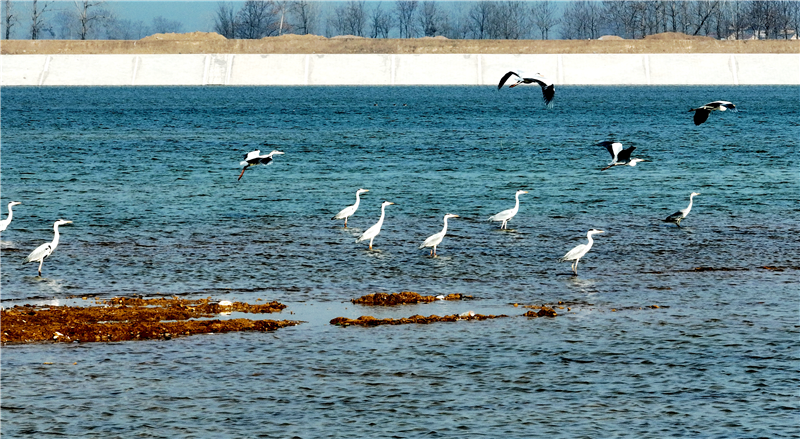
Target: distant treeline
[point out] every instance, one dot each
(721, 19)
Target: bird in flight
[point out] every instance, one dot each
(701, 113)
(619, 156)
(548, 89)
(254, 158)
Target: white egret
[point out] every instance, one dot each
(349, 210)
(47, 248)
(701, 113)
(506, 215)
(678, 216)
(4, 223)
(579, 251)
(373, 231)
(548, 89)
(436, 239)
(254, 158)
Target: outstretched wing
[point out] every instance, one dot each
(548, 93)
(505, 78)
(625, 154)
(700, 115)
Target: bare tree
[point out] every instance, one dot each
(117, 29)
(405, 17)
(162, 25)
(543, 15)
(479, 19)
(225, 20)
(510, 20)
(454, 24)
(350, 18)
(10, 18)
(430, 18)
(702, 13)
(380, 22)
(38, 23)
(306, 16)
(581, 20)
(283, 6)
(257, 19)
(89, 14)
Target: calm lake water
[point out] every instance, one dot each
(148, 175)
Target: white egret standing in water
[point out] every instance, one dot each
(678, 216)
(349, 210)
(254, 158)
(4, 223)
(373, 231)
(47, 248)
(436, 239)
(579, 251)
(506, 215)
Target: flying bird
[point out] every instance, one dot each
(436, 239)
(701, 113)
(506, 215)
(579, 251)
(373, 231)
(619, 156)
(254, 158)
(350, 210)
(678, 216)
(47, 248)
(4, 223)
(548, 89)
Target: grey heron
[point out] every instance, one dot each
(701, 113)
(548, 89)
(506, 215)
(619, 156)
(47, 248)
(373, 231)
(254, 158)
(4, 223)
(350, 210)
(579, 251)
(678, 216)
(436, 239)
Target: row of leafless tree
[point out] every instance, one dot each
(509, 19)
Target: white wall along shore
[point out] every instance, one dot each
(388, 69)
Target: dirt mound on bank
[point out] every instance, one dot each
(189, 36)
(668, 36)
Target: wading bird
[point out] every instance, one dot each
(253, 158)
(577, 253)
(678, 216)
(349, 210)
(548, 89)
(506, 215)
(701, 113)
(47, 248)
(4, 223)
(373, 231)
(436, 239)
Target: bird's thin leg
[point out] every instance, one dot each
(576, 266)
(240, 175)
(370, 244)
(345, 222)
(40, 267)
(434, 250)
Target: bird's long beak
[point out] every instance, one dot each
(391, 202)
(278, 152)
(524, 192)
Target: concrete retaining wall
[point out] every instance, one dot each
(428, 69)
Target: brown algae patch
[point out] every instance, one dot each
(415, 319)
(121, 319)
(404, 298)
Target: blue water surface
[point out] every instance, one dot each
(148, 177)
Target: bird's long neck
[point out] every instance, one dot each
(10, 212)
(591, 241)
(516, 205)
(444, 229)
(358, 200)
(54, 244)
(383, 214)
(688, 208)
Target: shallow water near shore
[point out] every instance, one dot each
(148, 175)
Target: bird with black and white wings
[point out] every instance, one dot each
(436, 239)
(680, 215)
(701, 113)
(519, 77)
(47, 248)
(619, 156)
(254, 158)
(5, 223)
(579, 251)
(350, 210)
